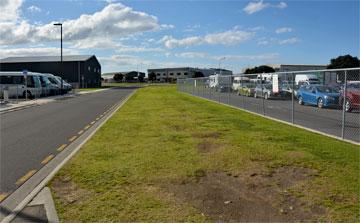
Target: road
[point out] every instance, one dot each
(31, 137)
(326, 120)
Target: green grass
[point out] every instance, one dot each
(152, 141)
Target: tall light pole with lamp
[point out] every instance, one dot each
(61, 54)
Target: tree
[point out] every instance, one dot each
(259, 69)
(118, 77)
(346, 61)
(198, 74)
(152, 76)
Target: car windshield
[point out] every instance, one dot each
(52, 80)
(324, 89)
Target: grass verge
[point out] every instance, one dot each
(161, 137)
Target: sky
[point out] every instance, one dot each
(138, 35)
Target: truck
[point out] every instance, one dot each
(306, 79)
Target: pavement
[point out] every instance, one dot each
(32, 137)
(326, 120)
(18, 104)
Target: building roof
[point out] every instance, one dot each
(45, 58)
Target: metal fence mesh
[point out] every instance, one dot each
(326, 100)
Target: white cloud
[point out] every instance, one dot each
(283, 30)
(253, 7)
(203, 55)
(192, 55)
(191, 28)
(274, 41)
(289, 41)
(230, 37)
(113, 21)
(34, 9)
(10, 10)
(44, 51)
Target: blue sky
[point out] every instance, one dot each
(130, 35)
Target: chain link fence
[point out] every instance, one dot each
(324, 100)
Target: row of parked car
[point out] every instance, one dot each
(307, 89)
(31, 85)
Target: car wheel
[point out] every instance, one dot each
(266, 96)
(348, 105)
(27, 94)
(301, 102)
(320, 103)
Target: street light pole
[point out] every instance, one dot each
(61, 55)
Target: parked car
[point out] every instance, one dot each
(247, 90)
(319, 95)
(19, 86)
(265, 91)
(352, 96)
(47, 87)
(287, 88)
(56, 80)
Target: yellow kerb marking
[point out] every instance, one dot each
(86, 127)
(97, 118)
(25, 177)
(3, 196)
(61, 147)
(72, 138)
(81, 132)
(93, 122)
(101, 115)
(47, 159)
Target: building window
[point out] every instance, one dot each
(94, 69)
(164, 74)
(185, 73)
(157, 74)
(89, 68)
(178, 74)
(171, 74)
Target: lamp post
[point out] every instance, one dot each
(61, 54)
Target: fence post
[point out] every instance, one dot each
(262, 94)
(292, 98)
(229, 92)
(343, 105)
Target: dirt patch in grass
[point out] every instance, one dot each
(249, 197)
(67, 191)
(207, 146)
(207, 142)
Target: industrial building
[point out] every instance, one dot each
(78, 70)
(172, 74)
(127, 76)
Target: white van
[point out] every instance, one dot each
(15, 82)
(306, 79)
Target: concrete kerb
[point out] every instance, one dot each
(43, 182)
(278, 120)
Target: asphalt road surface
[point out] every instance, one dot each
(31, 136)
(326, 120)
